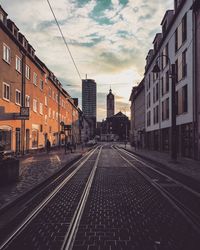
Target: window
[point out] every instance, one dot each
(57, 98)
(46, 100)
(148, 118)
(56, 116)
(184, 64)
(53, 95)
(1, 17)
(34, 78)
(167, 82)
(155, 114)
(46, 77)
(184, 99)
(41, 108)
(6, 53)
(45, 119)
(34, 105)
(156, 92)
(6, 137)
(18, 64)
(6, 91)
(165, 56)
(27, 101)
(18, 97)
(27, 72)
(148, 100)
(49, 112)
(41, 84)
(53, 115)
(162, 86)
(50, 92)
(176, 40)
(184, 28)
(167, 108)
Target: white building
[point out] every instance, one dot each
(176, 43)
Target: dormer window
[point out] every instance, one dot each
(1, 17)
(15, 32)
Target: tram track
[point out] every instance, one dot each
(64, 187)
(183, 198)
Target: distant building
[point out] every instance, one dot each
(116, 127)
(110, 104)
(89, 93)
(137, 130)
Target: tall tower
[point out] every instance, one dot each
(89, 93)
(110, 104)
(89, 99)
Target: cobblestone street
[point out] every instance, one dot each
(33, 170)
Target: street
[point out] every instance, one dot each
(108, 204)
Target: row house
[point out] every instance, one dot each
(25, 81)
(173, 47)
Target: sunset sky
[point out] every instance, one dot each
(109, 40)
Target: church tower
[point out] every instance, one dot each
(110, 104)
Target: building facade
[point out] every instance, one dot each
(116, 127)
(196, 9)
(110, 104)
(26, 82)
(137, 125)
(174, 46)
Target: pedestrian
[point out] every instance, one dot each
(48, 146)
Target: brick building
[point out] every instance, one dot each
(25, 81)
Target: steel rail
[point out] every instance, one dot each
(161, 173)
(192, 218)
(34, 213)
(73, 228)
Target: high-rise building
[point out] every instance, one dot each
(110, 104)
(89, 97)
(89, 93)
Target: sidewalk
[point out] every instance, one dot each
(34, 169)
(185, 166)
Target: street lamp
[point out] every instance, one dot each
(172, 74)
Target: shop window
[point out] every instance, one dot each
(5, 138)
(34, 138)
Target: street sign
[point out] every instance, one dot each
(24, 113)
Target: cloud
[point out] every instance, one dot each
(109, 39)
